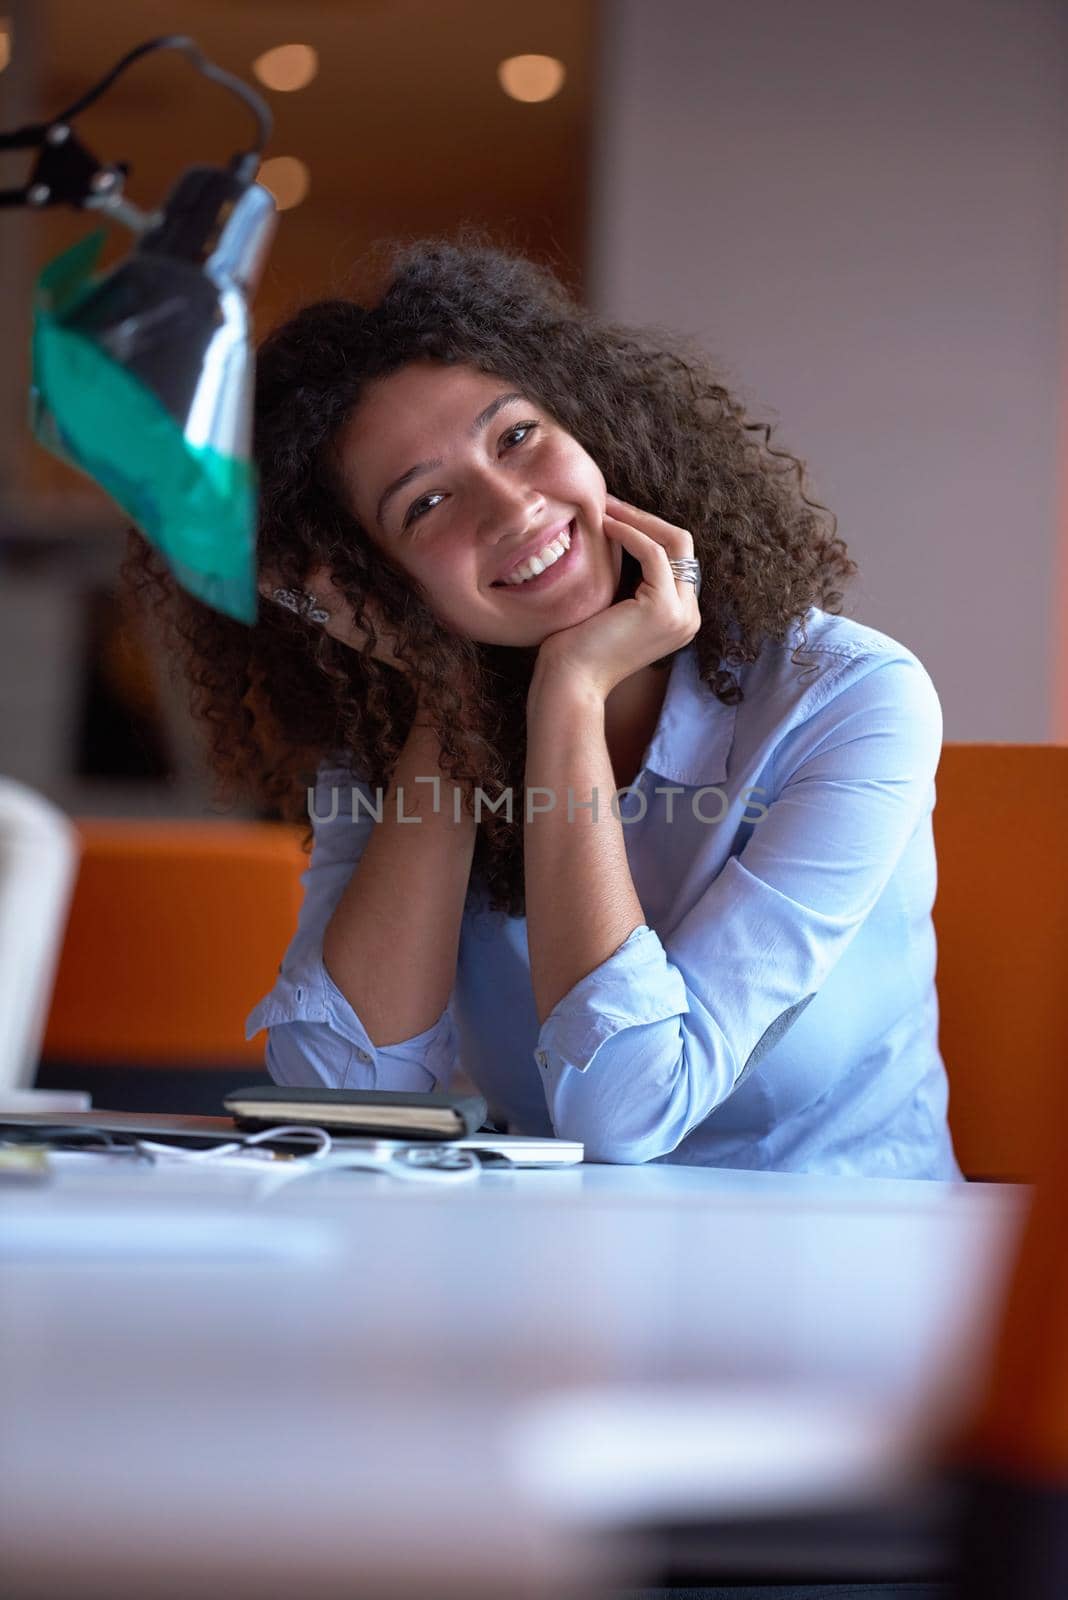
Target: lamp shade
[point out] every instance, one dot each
(142, 379)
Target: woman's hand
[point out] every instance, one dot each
(662, 617)
(323, 606)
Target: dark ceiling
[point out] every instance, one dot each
(404, 129)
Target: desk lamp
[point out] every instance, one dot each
(142, 378)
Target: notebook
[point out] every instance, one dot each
(371, 1113)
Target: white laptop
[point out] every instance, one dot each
(526, 1151)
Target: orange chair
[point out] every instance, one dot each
(1001, 918)
(176, 929)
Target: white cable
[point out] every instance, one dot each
(411, 1163)
(240, 1146)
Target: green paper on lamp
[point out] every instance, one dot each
(194, 503)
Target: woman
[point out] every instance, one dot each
(515, 559)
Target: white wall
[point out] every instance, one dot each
(857, 208)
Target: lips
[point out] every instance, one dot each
(532, 549)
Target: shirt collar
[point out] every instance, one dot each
(695, 731)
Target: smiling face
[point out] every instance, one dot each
(459, 478)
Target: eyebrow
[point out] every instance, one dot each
(483, 420)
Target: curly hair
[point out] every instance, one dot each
(280, 698)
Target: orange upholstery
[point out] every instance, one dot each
(1001, 916)
(176, 929)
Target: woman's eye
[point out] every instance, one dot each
(418, 508)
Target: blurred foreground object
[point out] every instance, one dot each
(142, 378)
(1015, 1532)
(39, 851)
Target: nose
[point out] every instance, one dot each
(508, 508)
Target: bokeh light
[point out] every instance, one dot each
(287, 67)
(287, 178)
(531, 78)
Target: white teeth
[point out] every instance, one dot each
(543, 559)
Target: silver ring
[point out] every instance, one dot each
(687, 570)
(302, 603)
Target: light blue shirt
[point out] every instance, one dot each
(776, 1009)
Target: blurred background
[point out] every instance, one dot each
(859, 209)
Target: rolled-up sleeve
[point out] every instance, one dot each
(314, 1037)
(640, 1051)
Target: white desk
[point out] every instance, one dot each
(353, 1386)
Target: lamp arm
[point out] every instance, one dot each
(188, 47)
(67, 173)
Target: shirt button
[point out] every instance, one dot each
(541, 1058)
(361, 1055)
